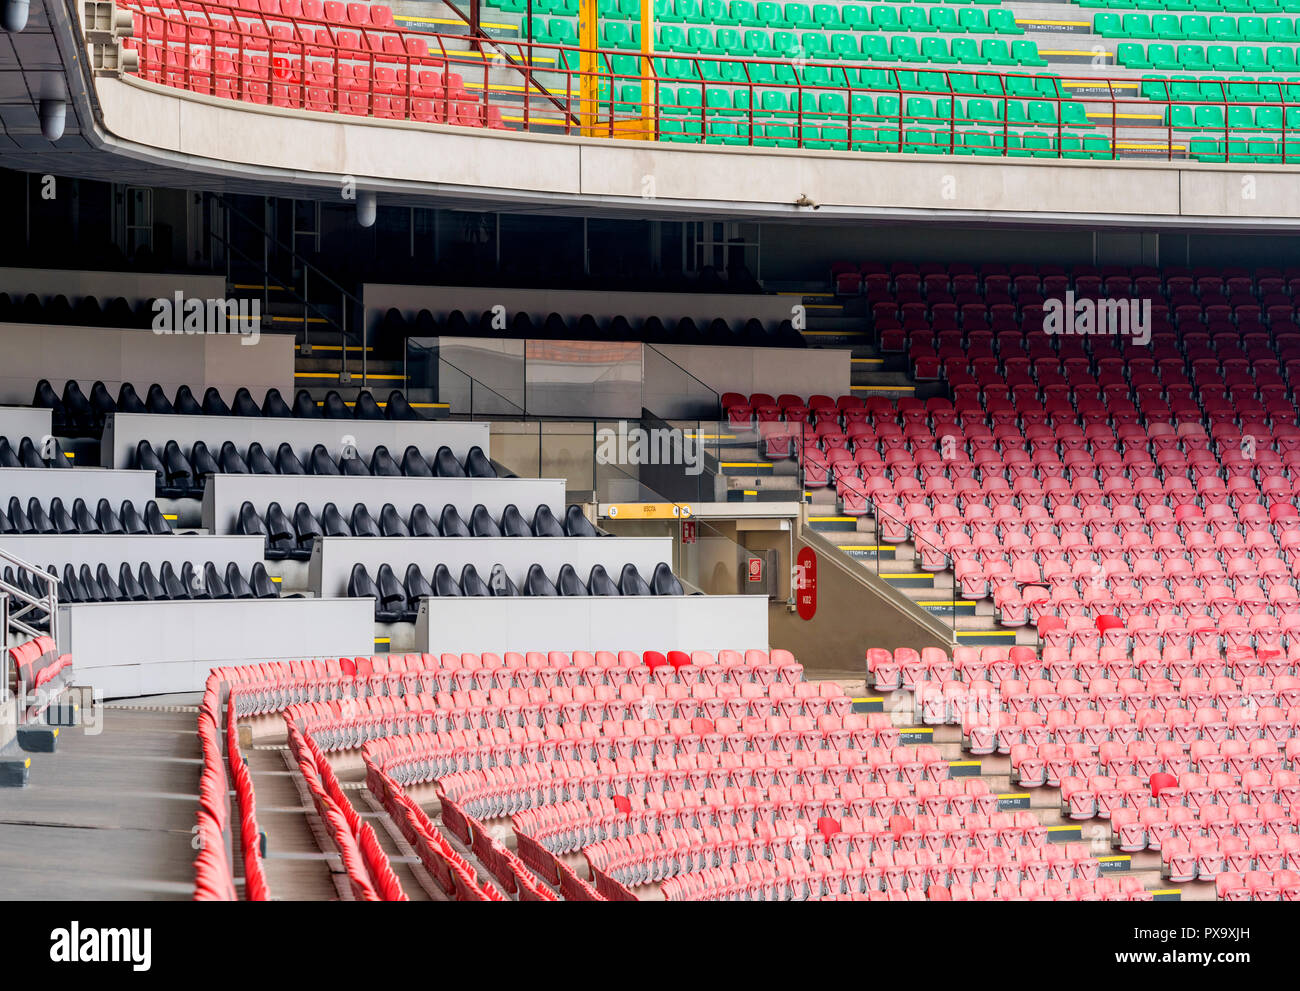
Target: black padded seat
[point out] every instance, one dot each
(576, 523)
(513, 523)
(60, 517)
(112, 591)
(391, 523)
(101, 406)
(545, 524)
(499, 581)
(450, 524)
(304, 406)
(664, 582)
(414, 465)
(630, 581)
(332, 523)
(93, 592)
(417, 588)
(361, 586)
(213, 582)
(132, 590)
(128, 401)
(179, 474)
(236, 583)
(147, 458)
(443, 582)
(392, 597)
(185, 403)
(366, 407)
(383, 465)
(244, 404)
(306, 530)
(599, 582)
(249, 522)
(18, 520)
(260, 582)
(422, 524)
(175, 589)
(398, 408)
(568, 582)
(204, 465)
(274, 404)
(107, 518)
(536, 583)
(281, 539)
(156, 401)
(70, 589)
(154, 519)
(471, 583)
(78, 416)
(363, 524)
(230, 461)
(8, 456)
(259, 463)
(36, 516)
(46, 398)
(321, 463)
(213, 404)
(132, 523)
(481, 523)
(194, 583)
(83, 517)
(335, 408)
(478, 465)
(445, 464)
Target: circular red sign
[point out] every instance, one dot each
(804, 583)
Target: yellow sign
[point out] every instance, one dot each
(645, 511)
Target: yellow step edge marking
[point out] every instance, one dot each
(745, 464)
(334, 347)
(941, 602)
(1061, 829)
(274, 578)
(986, 633)
(298, 320)
(965, 763)
(1166, 891)
(906, 574)
(1108, 115)
(750, 491)
(1014, 794)
(69, 454)
(867, 361)
(872, 698)
(823, 306)
(1115, 859)
(831, 519)
(335, 375)
(448, 20)
(271, 288)
(1128, 146)
(383, 639)
(169, 516)
(1083, 84)
(916, 729)
(1039, 20)
(867, 547)
(883, 388)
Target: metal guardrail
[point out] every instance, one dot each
(21, 607)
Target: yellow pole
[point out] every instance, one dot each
(647, 69)
(588, 67)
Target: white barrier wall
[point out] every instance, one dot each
(96, 549)
(148, 648)
(114, 356)
(802, 371)
(105, 286)
(224, 495)
(693, 622)
(123, 431)
(91, 484)
(332, 558)
(17, 422)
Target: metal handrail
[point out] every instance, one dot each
(27, 603)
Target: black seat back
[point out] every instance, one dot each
(443, 583)
(630, 581)
(664, 582)
(536, 583)
(576, 523)
(414, 465)
(363, 525)
(478, 465)
(471, 583)
(545, 524)
(599, 582)
(390, 523)
(445, 464)
(451, 524)
(332, 523)
(481, 523)
(568, 582)
(422, 524)
(499, 581)
(513, 523)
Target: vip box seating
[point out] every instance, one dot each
(75, 414)
(1188, 753)
(684, 771)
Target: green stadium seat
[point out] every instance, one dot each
(1222, 58)
(1252, 29)
(827, 16)
(1138, 26)
(1209, 117)
(1250, 58)
(1196, 27)
(758, 44)
(944, 20)
(915, 19)
(1180, 117)
(856, 17)
(936, 51)
(1263, 150)
(997, 52)
(1037, 145)
(1004, 22)
(1192, 57)
(1280, 58)
(982, 110)
(1280, 29)
(701, 40)
(730, 41)
(671, 38)
(1133, 55)
(905, 49)
(1167, 26)
(798, 15)
(885, 18)
(1241, 119)
(1269, 118)
(844, 46)
(1073, 114)
(769, 14)
(1026, 53)
(742, 14)
(974, 21)
(876, 48)
(1206, 149)
(967, 51)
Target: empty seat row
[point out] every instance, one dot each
(28, 455)
(398, 601)
(142, 585)
(178, 476)
(292, 537)
(105, 519)
(76, 414)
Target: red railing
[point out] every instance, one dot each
(389, 73)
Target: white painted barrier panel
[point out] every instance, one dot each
(691, 622)
(150, 648)
(115, 549)
(17, 422)
(91, 484)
